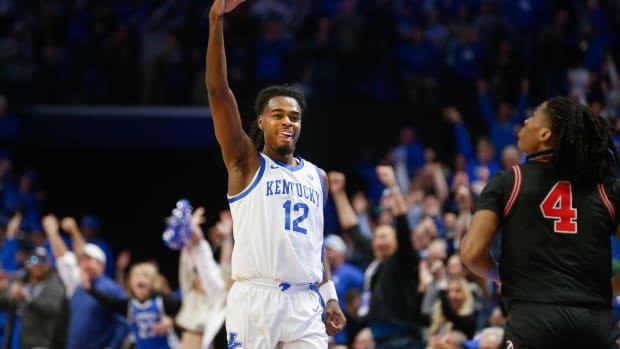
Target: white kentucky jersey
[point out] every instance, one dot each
(278, 224)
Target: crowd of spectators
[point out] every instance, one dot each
(478, 61)
(423, 51)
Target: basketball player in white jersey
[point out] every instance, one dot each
(282, 290)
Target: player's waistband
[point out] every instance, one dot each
(279, 285)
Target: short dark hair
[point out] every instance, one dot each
(264, 96)
(270, 92)
(584, 149)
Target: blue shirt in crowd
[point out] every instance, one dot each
(91, 325)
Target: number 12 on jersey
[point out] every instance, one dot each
(299, 206)
(558, 205)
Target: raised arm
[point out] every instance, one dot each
(202, 256)
(10, 247)
(346, 214)
(238, 151)
(519, 115)
(66, 261)
(50, 225)
(69, 225)
(398, 206)
(348, 219)
(461, 134)
(485, 105)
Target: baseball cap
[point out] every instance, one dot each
(38, 256)
(336, 243)
(94, 251)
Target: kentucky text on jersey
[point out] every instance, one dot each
(282, 187)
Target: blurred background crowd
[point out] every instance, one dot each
(435, 88)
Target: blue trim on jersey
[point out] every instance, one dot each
(318, 171)
(294, 168)
(323, 257)
(261, 171)
(315, 289)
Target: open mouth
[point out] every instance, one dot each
(286, 134)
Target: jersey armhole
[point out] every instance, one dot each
(516, 188)
(602, 193)
(253, 184)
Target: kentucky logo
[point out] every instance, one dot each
(232, 341)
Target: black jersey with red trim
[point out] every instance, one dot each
(556, 235)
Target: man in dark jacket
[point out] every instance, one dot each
(40, 298)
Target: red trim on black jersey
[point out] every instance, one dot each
(603, 194)
(516, 187)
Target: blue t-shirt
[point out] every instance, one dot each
(91, 325)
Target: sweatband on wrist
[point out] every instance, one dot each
(328, 291)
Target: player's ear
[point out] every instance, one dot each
(545, 135)
(259, 121)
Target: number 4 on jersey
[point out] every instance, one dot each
(558, 205)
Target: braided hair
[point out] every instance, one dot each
(584, 149)
(256, 134)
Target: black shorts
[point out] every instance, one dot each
(543, 326)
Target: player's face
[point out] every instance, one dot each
(281, 124)
(536, 131)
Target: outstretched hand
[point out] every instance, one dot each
(221, 7)
(69, 225)
(198, 218)
(337, 181)
(225, 224)
(334, 318)
(386, 175)
(50, 224)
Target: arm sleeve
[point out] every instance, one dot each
(69, 272)
(360, 242)
(8, 255)
(493, 196)
(208, 270)
(117, 305)
(409, 257)
(171, 304)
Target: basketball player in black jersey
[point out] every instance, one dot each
(557, 211)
